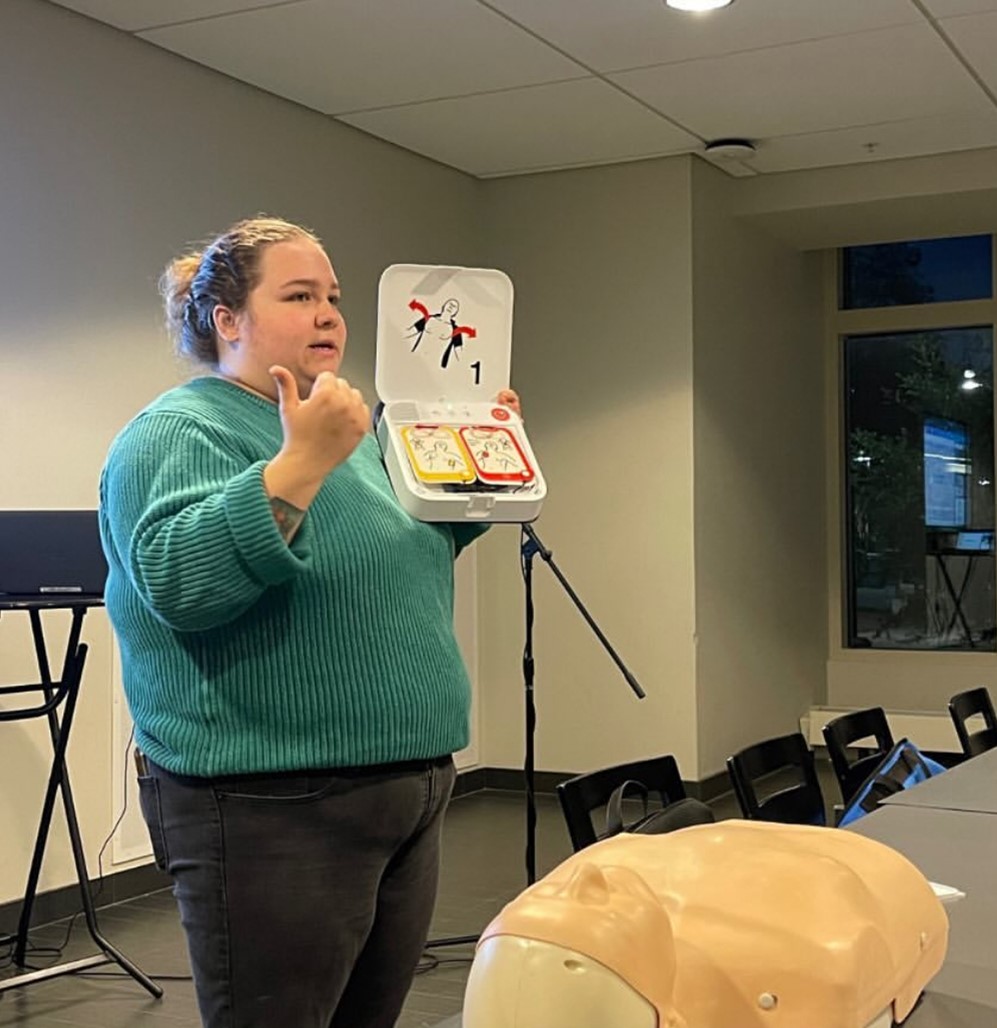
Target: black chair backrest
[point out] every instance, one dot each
(965, 705)
(842, 733)
(776, 780)
(587, 794)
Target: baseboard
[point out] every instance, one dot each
(513, 780)
(57, 904)
(710, 788)
(469, 781)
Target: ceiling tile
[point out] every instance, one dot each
(879, 76)
(133, 15)
(615, 34)
(918, 137)
(342, 55)
(529, 129)
(976, 38)
(473, 84)
(947, 8)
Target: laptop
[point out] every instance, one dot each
(50, 554)
(975, 542)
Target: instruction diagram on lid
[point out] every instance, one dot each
(444, 346)
(443, 332)
(441, 329)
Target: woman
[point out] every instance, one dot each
(287, 648)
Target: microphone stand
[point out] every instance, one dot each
(530, 547)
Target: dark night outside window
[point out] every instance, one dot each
(919, 489)
(920, 271)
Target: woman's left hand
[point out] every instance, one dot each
(510, 399)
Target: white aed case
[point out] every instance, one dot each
(444, 351)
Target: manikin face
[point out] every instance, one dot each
(449, 309)
(291, 318)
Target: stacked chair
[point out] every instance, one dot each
(841, 735)
(776, 780)
(966, 705)
(585, 797)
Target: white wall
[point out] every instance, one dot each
(602, 355)
(116, 155)
(670, 358)
(918, 198)
(759, 477)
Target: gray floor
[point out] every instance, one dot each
(483, 867)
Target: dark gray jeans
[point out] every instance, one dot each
(306, 897)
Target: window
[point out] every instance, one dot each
(919, 459)
(922, 271)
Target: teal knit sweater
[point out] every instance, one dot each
(242, 653)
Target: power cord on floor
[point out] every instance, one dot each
(430, 962)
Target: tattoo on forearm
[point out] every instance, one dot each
(287, 516)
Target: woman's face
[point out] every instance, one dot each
(291, 318)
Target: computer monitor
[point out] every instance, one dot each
(946, 473)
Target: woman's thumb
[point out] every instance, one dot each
(287, 387)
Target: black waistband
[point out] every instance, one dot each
(396, 767)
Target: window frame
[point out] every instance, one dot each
(839, 324)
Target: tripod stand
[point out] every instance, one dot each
(530, 547)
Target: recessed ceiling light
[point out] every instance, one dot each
(698, 5)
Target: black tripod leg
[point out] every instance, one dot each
(529, 550)
(38, 855)
(56, 776)
(59, 780)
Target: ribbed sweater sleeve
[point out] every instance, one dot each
(193, 525)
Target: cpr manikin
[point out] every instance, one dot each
(734, 925)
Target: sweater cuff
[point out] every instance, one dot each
(259, 542)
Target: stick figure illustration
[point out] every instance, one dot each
(441, 327)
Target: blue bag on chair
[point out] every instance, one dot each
(905, 765)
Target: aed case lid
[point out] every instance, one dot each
(443, 333)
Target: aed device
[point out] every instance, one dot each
(444, 352)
